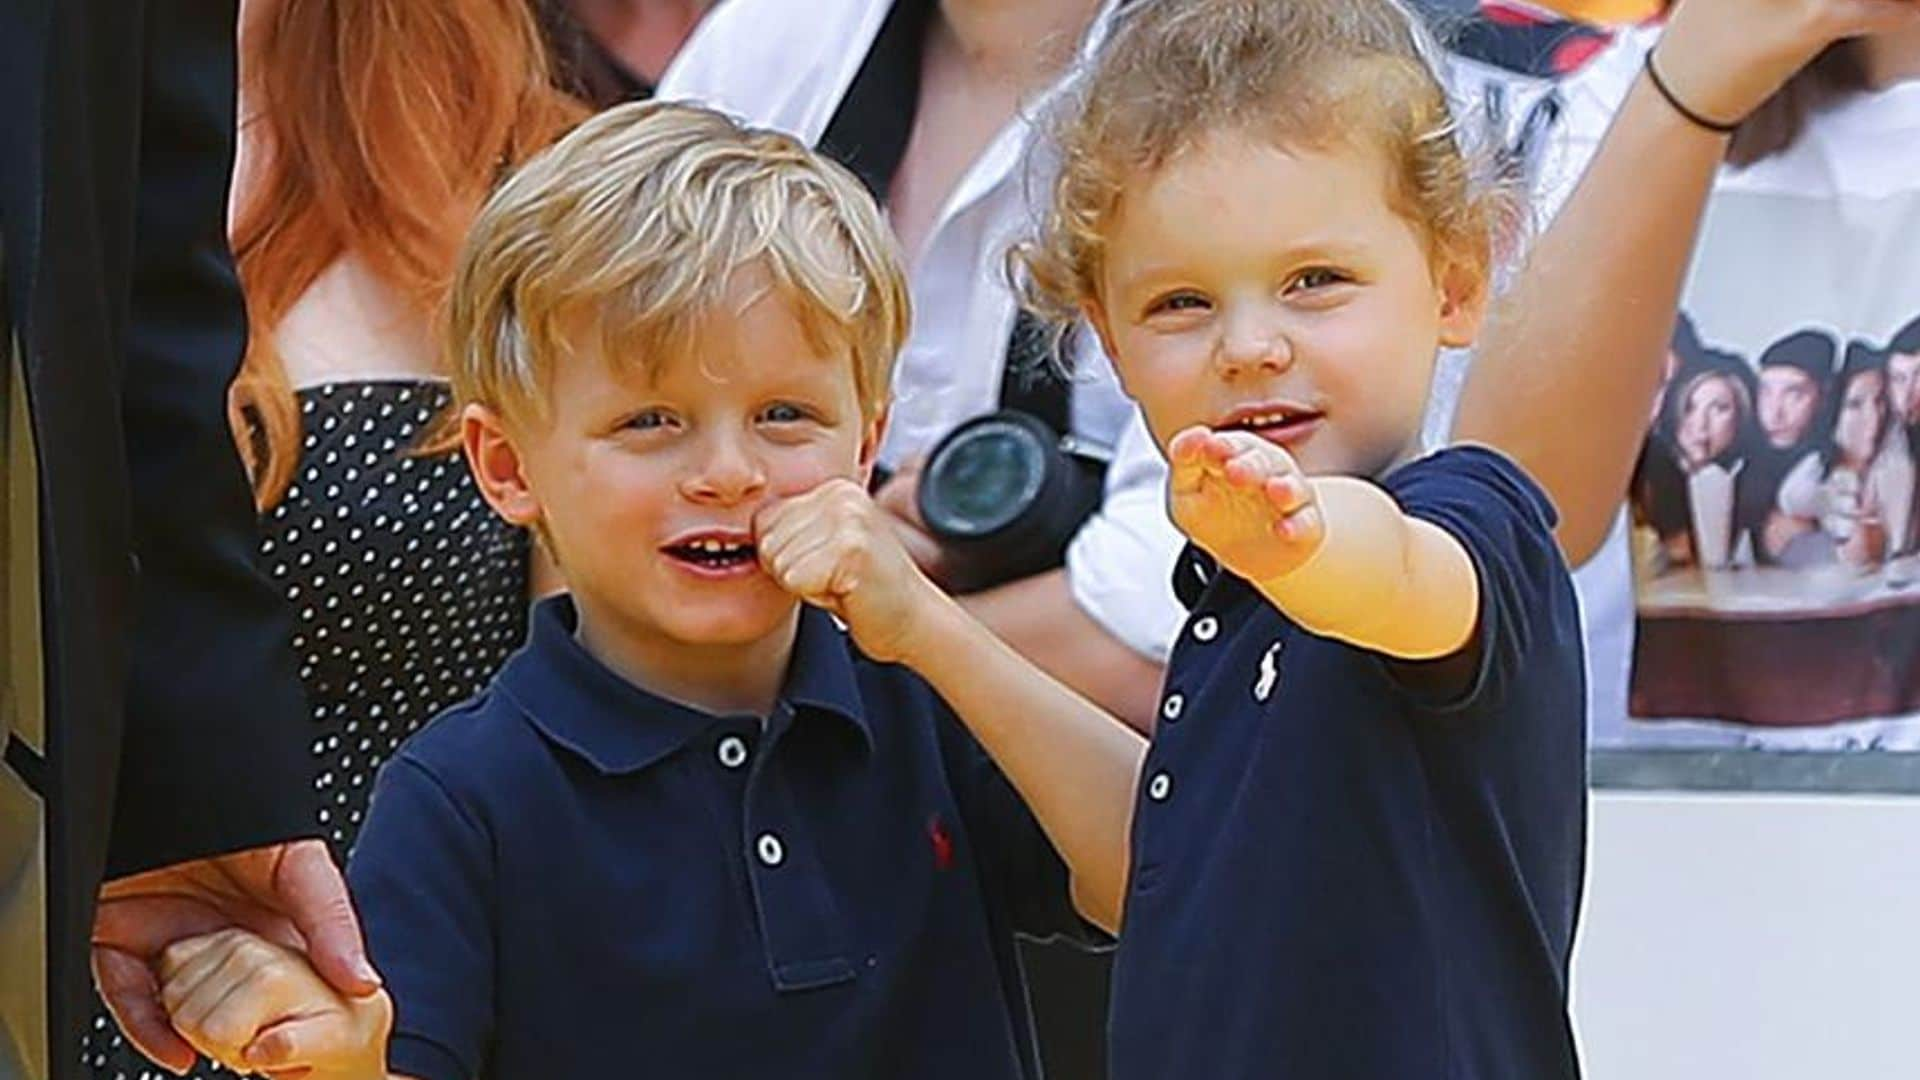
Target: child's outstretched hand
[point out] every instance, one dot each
(257, 1007)
(1245, 501)
(833, 548)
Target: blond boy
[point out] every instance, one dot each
(690, 830)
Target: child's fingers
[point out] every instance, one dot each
(201, 982)
(1300, 526)
(775, 525)
(1188, 446)
(1253, 466)
(185, 965)
(1223, 446)
(322, 1040)
(294, 1043)
(791, 527)
(1190, 456)
(1288, 493)
(795, 566)
(176, 958)
(266, 996)
(821, 573)
(782, 514)
(127, 986)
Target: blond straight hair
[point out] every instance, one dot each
(621, 236)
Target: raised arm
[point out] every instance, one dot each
(1563, 376)
(1075, 764)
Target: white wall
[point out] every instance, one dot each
(1762, 937)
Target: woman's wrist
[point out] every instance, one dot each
(1678, 102)
(1721, 68)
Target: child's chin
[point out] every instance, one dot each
(734, 624)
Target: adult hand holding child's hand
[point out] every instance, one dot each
(833, 548)
(1245, 501)
(255, 1006)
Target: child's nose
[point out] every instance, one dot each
(1250, 342)
(727, 471)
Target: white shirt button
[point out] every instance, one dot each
(1159, 787)
(1171, 708)
(770, 850)
(1206, 628)
(732, 751)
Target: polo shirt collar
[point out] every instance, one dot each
(616, 726)
(1193, 574)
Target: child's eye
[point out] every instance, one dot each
(649, 420)
(1183, 301)
(783, 413)
(1318, 277)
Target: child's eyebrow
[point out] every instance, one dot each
(1153, 277)
(1324, 249)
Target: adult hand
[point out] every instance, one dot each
(289, 893)
(900, 498)
(1723, 58)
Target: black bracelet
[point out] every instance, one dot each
(1660, 84)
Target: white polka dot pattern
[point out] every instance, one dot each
(409, 593)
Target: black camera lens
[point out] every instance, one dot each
(987, 478)
(1004, 498)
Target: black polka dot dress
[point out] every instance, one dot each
(409, 593)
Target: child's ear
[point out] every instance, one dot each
(870, 443)
(498, 469)
(1463, 303)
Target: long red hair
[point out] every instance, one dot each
(380, 126)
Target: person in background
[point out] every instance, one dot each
(609, 51)
(1903, 396)
(370, 132)
(1711, 415)
(1794, 407)
(1659, 495)
(1758, 98)
(1868, 486)
(152, 717)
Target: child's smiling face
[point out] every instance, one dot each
(1277, 290)
(647, 479)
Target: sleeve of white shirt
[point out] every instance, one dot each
(774, 63)
(1120, 566)
(1588, 100)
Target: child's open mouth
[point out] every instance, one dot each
(715, 556)
(1282, 422)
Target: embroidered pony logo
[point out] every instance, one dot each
(1269, 674)
(942, 843)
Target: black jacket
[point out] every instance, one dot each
(174, 718)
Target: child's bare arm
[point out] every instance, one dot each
(1336, 554)
(254, 1006)
(1074, 764)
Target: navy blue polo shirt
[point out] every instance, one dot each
(1344, 870)
(570, 877)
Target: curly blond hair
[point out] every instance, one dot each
(1297, 72)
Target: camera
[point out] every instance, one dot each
(1004, 494)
